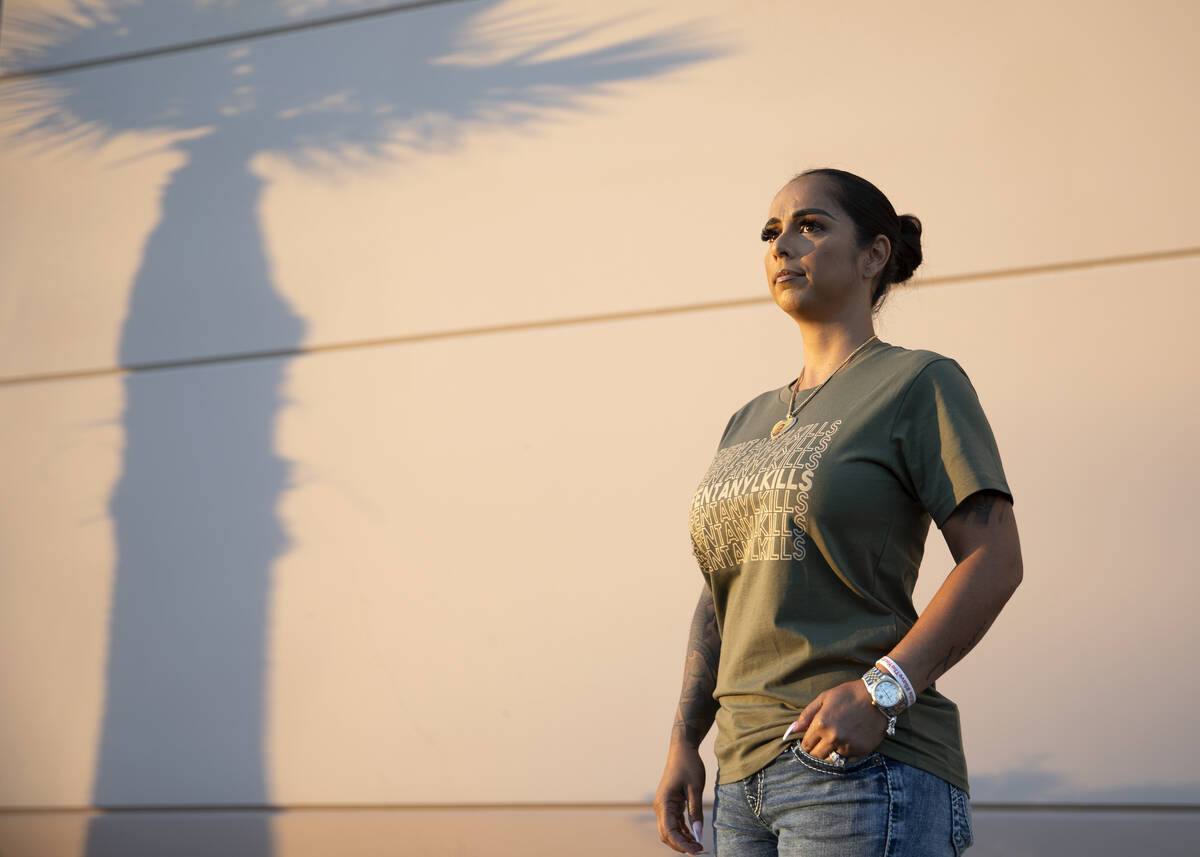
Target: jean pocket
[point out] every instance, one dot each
(962, 833)
(827, 767)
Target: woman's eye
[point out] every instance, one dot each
(769, 234)
(809, 226)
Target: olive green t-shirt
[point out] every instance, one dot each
(811, 545)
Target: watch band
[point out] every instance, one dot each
(872, 678)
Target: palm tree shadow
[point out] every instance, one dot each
(194, 509)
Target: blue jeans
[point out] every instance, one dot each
(801, 806)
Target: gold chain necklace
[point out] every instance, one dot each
(790, 420)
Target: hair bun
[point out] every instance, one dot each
(907, 252)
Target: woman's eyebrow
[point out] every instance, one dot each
(805, 211)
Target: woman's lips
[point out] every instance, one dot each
(784, 276)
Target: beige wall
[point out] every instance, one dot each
(448, 563)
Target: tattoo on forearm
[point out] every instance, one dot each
(697, 708)
(956, 654)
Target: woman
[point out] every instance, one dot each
(809, 527)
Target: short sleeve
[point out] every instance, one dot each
(945, 443)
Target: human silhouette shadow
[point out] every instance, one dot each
(194, 508)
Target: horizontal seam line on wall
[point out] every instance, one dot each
(985, 806)
(227, 39)
(598, 318)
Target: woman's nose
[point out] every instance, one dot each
(791, 244)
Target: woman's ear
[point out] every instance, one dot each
(876, 255)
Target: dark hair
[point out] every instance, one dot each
(873, 215)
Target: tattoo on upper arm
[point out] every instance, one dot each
(697, 707)
(984, 507)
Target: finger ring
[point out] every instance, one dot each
(836, 758)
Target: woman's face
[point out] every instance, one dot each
(815, 270)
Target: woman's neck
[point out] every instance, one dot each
(826, 347)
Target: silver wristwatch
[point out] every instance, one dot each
(886, 694)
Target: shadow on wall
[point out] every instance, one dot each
(194, 509)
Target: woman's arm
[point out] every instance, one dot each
(982, 537)
(682, 785)
(697, 708)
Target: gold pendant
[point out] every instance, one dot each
(782, 426)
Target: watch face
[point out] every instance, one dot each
(887, 693)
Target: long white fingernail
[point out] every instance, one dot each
(698, 831)
(789, 731)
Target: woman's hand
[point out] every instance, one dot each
(679, 797)
(842, 718)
